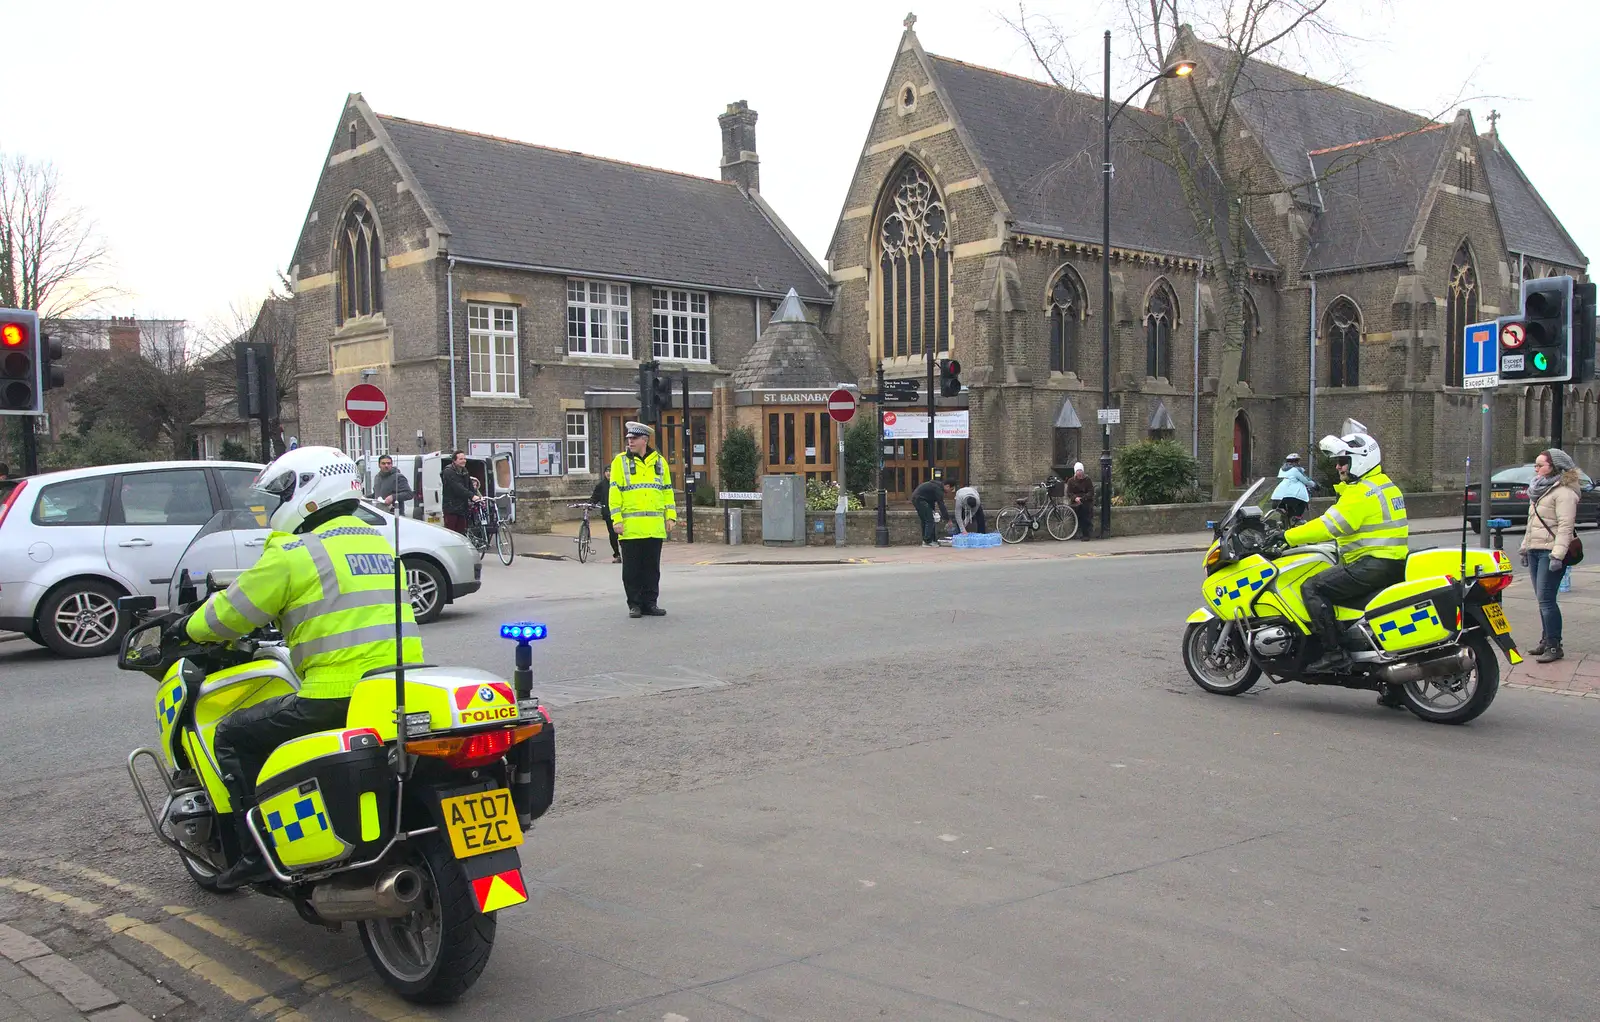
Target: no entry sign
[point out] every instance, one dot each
(365, 405)
(841, 405)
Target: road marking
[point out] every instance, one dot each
(258, 1001)
(70, 902)
(380, 1004)
(313, 979)
(107, 880)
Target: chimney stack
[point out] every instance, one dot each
(124, 335)
(740, 164)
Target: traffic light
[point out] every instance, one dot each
(655, 392)
(21, 388)
(949, 377)
(1536, 346)
(1583, 324)
(900, 390)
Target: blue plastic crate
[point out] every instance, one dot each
(974, 540)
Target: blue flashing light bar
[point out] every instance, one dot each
(524, 631)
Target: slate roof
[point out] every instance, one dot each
(1042, 145)
(1529, 226)
(791, 353)
(1370, 198)
(533, 206)
(1293, 115)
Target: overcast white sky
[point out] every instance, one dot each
(193, 133)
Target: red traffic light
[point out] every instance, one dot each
(13, 335)
(1512, 335)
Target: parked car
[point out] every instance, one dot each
(1508, 497)
(93, 534)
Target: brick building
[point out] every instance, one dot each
(971, 225)
(503, 293)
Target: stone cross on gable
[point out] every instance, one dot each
(1494, 122)
(910, 22)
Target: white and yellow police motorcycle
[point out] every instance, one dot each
(1432, 634)
(406, 821)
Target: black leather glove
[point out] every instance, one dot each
(1275, 544)
(178, 631)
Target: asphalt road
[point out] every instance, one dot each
(892, 791)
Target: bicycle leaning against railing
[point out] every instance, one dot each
(1040, 509)
(488, 526)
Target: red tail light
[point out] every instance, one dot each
(11, 498)
(466, 752)
(482, 748)
(1494, 583)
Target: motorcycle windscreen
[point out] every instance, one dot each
(212, 549)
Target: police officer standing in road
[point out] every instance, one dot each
(643, 511)
(328, 578)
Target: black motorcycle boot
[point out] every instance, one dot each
(654, 611)
(1389, 695)
(1336, 661)
(249, 868)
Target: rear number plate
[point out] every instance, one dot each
(481, 822)
(1500, 494)
(1497, 618)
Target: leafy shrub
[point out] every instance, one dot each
(705, 495)
(99, 445)
(233, 450)
(821, 496)
(1156, 472)
(860, 455)
(739, 460)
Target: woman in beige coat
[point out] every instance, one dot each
(1552, 518)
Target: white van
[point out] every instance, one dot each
(494, 474)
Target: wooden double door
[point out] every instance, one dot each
(669, 440)
(801, 440)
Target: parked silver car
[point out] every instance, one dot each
(72, 542)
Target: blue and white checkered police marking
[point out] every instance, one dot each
(168, 703)
(1237, 586)
(1419, 616)
(306, 814)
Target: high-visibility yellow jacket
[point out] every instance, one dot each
(1368, 520)
(332, 591)
(641, 496)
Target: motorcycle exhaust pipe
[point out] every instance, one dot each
(395, 894)
(1458, 662)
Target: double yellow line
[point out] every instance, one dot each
(380, 1004)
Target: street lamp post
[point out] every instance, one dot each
(1174, 70)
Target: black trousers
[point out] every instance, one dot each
(1347, 585)
(246, 737)
(611, 530)
(1294, 507)
(925, 513)
(641, 571)
(1085, 513)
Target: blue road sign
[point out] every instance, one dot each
(1481, 356)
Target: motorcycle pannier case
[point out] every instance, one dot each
(325, 797)
(1414, 614)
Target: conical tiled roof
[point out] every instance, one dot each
(791, 354)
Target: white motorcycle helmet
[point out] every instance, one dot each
(305, 481)
(1360, 448)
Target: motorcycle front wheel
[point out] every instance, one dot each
(436, 953)
(1460, 697)
(1225, 672)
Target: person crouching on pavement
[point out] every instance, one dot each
(644, 512)
(1080, 497)
(969, 511)
(924, 498)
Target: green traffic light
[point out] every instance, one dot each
(1541, 362)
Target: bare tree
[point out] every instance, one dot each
(154, 395)
(50, 250)
(1223, 183)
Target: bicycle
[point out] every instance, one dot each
(585, 548)
(1039, 508)
(487, 525)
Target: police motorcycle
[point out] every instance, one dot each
(406, 823)
(1431, 635)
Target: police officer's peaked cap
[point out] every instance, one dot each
(638, 429)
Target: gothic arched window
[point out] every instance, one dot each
(1342, 327)
(914, 265)
(1461, 310)
(1252, 327)
(360, 256)
(1160, 316)
(1067, 309)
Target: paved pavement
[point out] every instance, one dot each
(938, 788)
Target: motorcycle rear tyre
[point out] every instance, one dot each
(1488, 687)
(1191, 639)
(466, 936)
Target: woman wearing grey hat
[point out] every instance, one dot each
(1552, 520)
